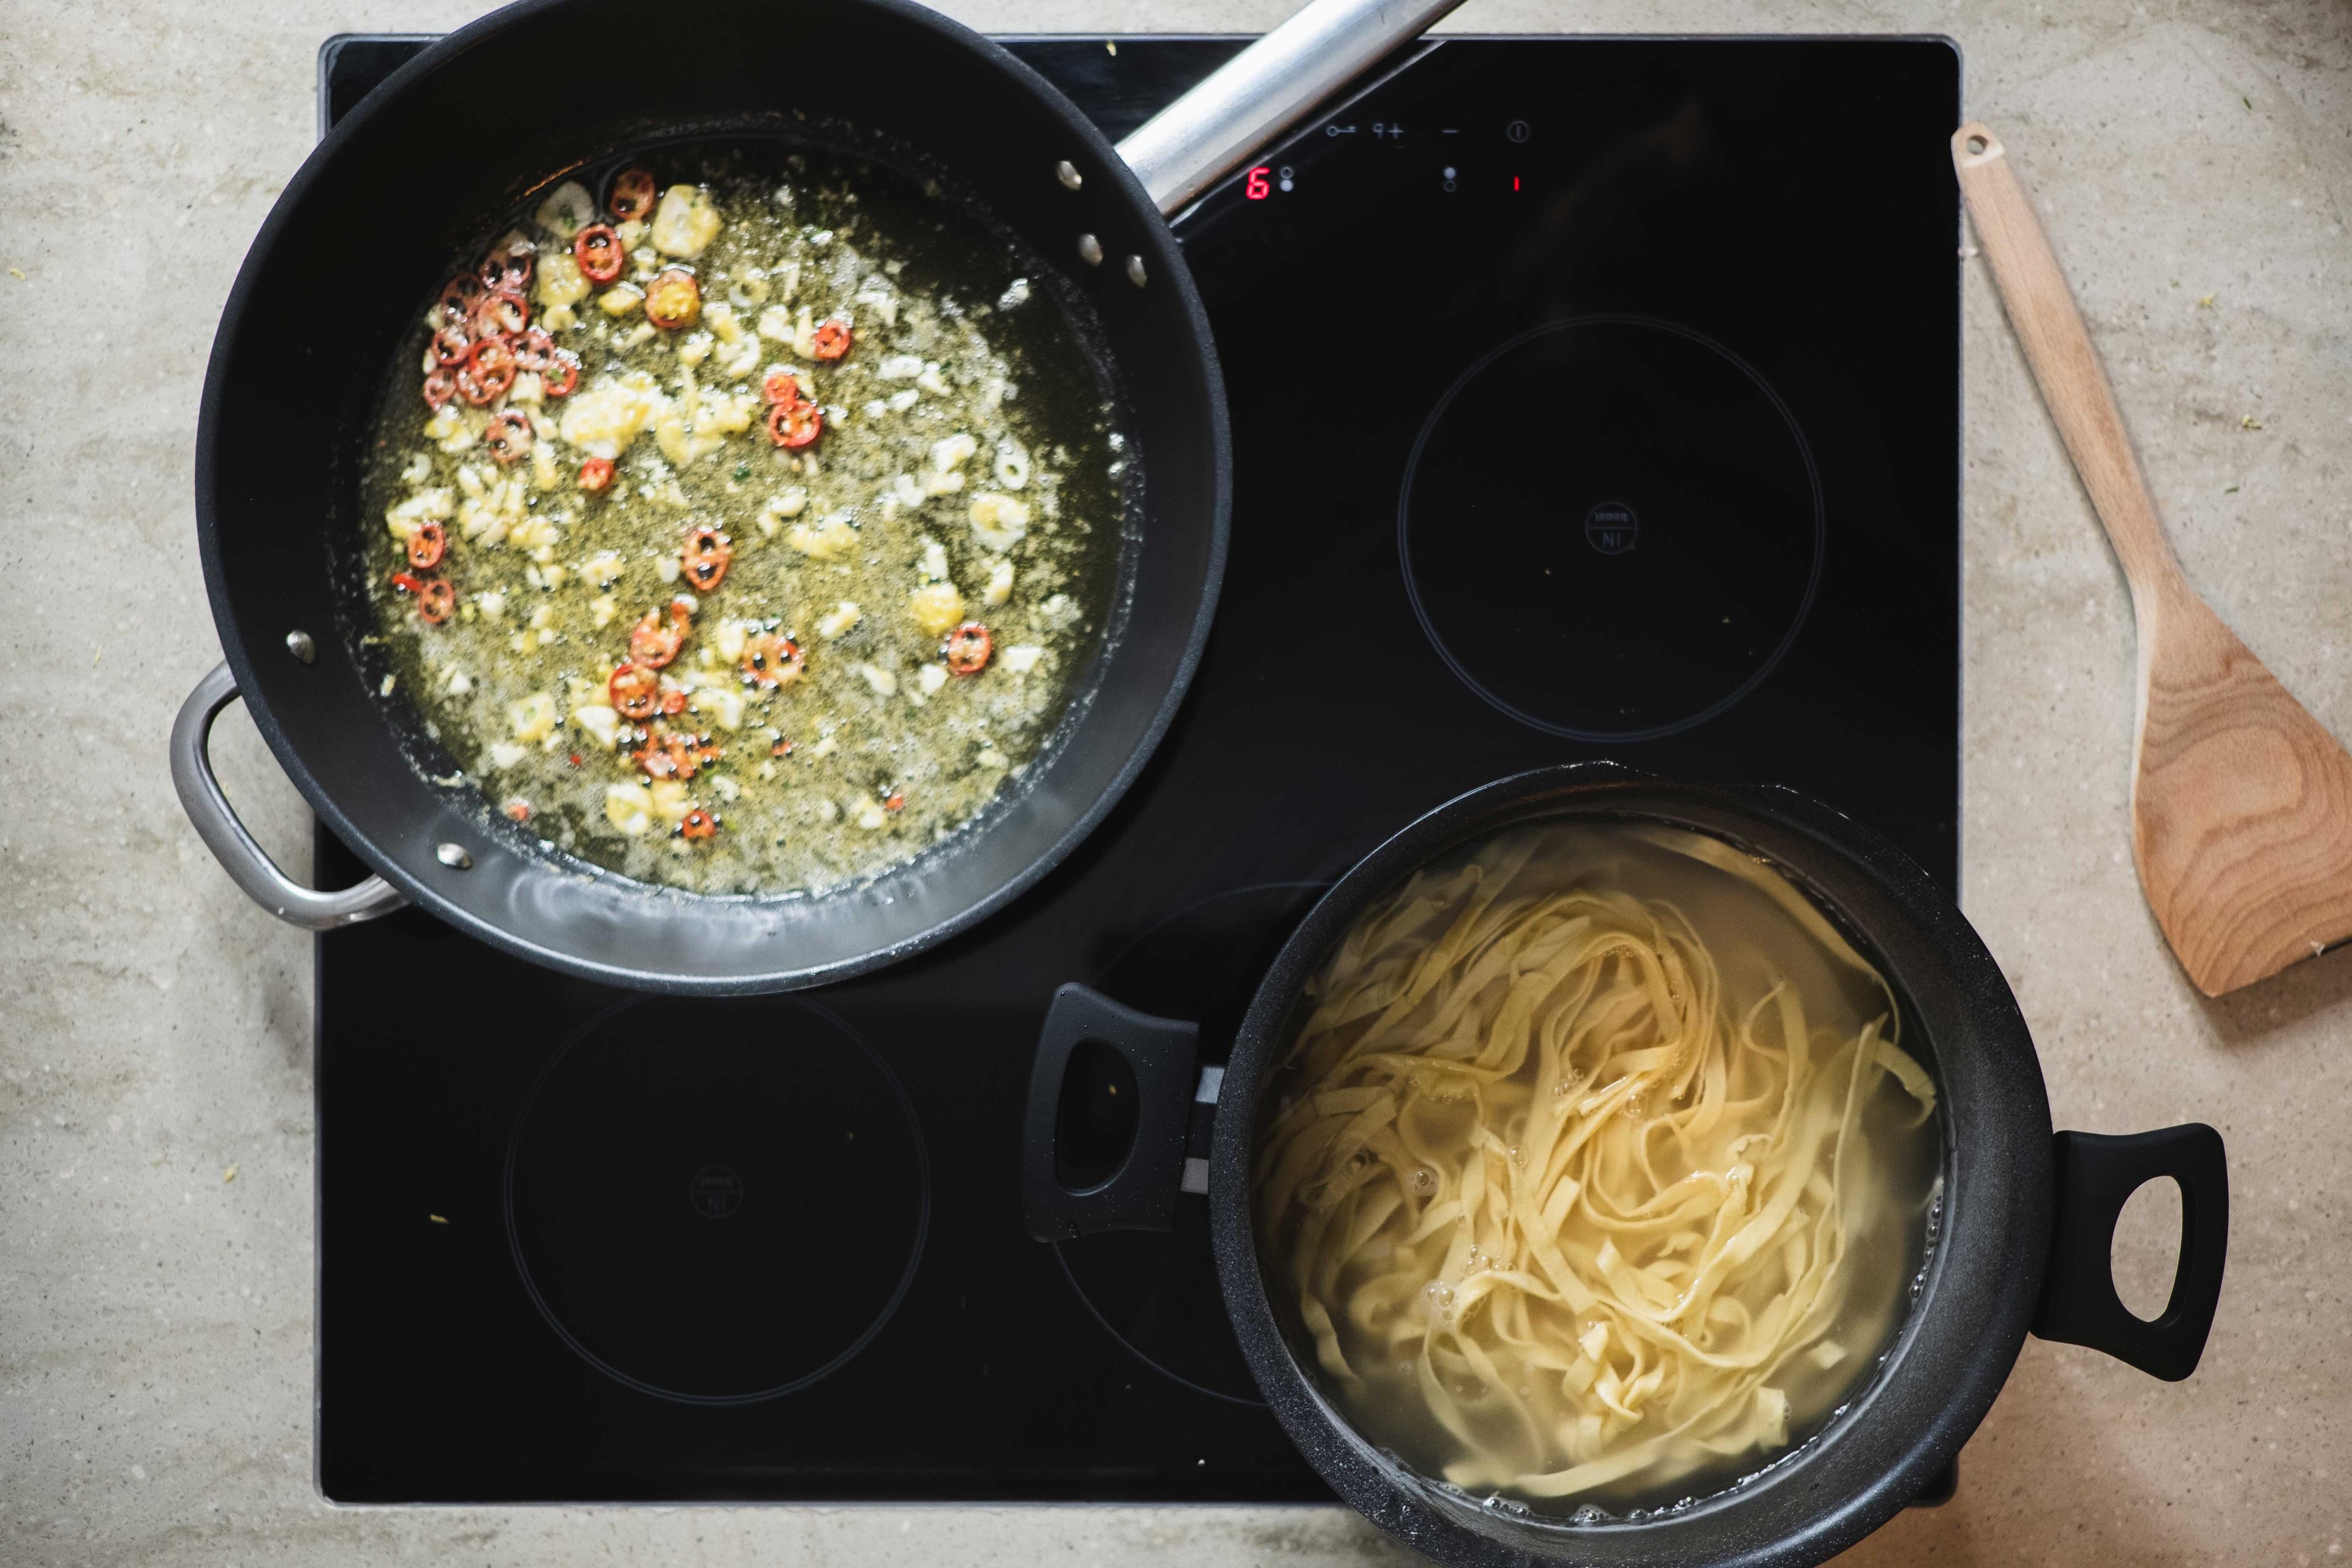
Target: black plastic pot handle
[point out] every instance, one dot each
(2095, 1176)
(1142, 1193)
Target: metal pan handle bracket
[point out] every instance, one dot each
(216, 824)
(1142, 1193)
(1246, 104)
(2096, 1174)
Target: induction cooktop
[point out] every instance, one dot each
(1584, 406)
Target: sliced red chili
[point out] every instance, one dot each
(449, 345)
(440, 386)
(509, 434)
(697, 824)
(562, 374)
(831, 339)
(770, 661)
(705, 556)
(428, 545)
(783, 748)
(967, 649)
(600, 253)
(667, 755)
(531, 347)
(508, 268)
(458, 298)
(436, 601)
(636, 692)
(894, 801)
(795, 423)
(406, 583)
(595, 473)
(520, 810)
(673, 300)
(780, 386)
(499, 314)
(653, 644)
(673, 698)
(488, 373)
(632, 196)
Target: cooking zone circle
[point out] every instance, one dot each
(1156, 1292)
(669, 1174)
(1610, 528)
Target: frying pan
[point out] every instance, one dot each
(519, 100)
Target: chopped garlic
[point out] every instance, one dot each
(776, 324)
(885, 684)
(728, 640)
(900, 367)
(686, 222)
(1000, 585)
(1023, 659)
(506, 753)
(936, 608)
(599, 720)
(602, 568)
(934, 561)
(870, 815)
(559, 281)
(629, 808)
(933, 677)
(998, 520)
(831, 539)
(953, 452)
(620, 298)
(1012, 464)
(839, 620)
(724, 704)
(533, 716)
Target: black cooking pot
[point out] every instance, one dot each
(428, 164)
(2025, 1230)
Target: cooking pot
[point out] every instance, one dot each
(2021, 1241)
(389, 201)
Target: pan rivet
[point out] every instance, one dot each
(453, 856)
(1090, 250)
(1067, 173)
(299, 644)
(1135, 272)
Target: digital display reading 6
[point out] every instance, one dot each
(1255, 186)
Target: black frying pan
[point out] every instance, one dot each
(401, 189)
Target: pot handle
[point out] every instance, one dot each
(1140, 1195)
(216, 824)
(1245, 105)
(2095, 1176)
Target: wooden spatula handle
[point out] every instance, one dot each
(2066, 367)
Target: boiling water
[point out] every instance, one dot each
(1508, 1430)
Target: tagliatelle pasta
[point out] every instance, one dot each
(1581, 1191)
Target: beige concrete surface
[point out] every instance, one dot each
(2194, 163)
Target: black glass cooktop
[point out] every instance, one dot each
(1590, 397)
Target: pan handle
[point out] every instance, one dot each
(1241, 107)
(216, 824)
(2096, 1174)
(1140, 1193)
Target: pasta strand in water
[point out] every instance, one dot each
(1577, 1194)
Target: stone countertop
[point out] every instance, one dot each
(2194, 166)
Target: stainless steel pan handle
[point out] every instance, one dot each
(233, 847)
(1248, 103)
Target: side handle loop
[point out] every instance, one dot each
(2096, 1174)
(244, 860)
(1140, 1194)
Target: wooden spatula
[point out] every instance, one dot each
(2241, 804)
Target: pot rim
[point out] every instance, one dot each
(1977, 1291)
